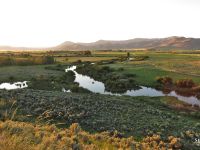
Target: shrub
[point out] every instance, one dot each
(79, 61)
(185, 83)
(121, 69)
(48, 60)
(164, 80)
(106, 69)
(11, 78)
(129, 75)
(86, 53)
(140, 58)
(6, 61)
(23, 136)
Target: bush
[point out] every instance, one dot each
(48, 60)
(6, 61)
(164, 80)
(121, 69)
(79, 61)
(185, 83)
(23, 136)
(129, 75)
(140, 58)
(106, 68)
(11, 78)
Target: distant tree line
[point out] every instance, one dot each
(36, 60)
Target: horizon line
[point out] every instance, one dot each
(43, 47)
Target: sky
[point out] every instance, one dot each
(46, 23)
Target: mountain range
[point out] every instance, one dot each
(169, 43)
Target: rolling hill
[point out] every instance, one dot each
(169, 43)
(138, 43)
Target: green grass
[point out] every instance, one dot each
(176, 66)
(137, 116)
(169, 61)
(22, 73)
(74, 59)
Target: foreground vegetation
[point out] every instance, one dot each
(14, 137)
(98, 113)
(107, 121)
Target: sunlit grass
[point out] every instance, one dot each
(26, 136)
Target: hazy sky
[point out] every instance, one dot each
(41, 23)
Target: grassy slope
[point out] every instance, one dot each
(137, 116)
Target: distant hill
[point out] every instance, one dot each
(169, 43)
(9, 48)
(138, 43)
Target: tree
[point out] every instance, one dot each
(87, 53)
(48, 60)
(128, 54)
(164, 80)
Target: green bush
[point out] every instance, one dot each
(164, 80)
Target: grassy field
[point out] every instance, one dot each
(26, 73)
(97, 113)
(179, 65)
(174, 65)
(74, 59)
(146, 73)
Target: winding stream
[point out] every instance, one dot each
(15, 85)
(99, 87)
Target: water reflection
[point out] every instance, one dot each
(15, 85)
(99, 87)
(145, 91)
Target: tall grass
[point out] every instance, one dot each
(8, 109)
(26, 136)
(23, 61)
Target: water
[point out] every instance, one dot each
(66, 91)
(15, 85)
(99, 87)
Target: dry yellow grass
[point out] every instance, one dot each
(26, 136)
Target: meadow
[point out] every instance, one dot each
(44, 104)
(175, 65)
(159, 63)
